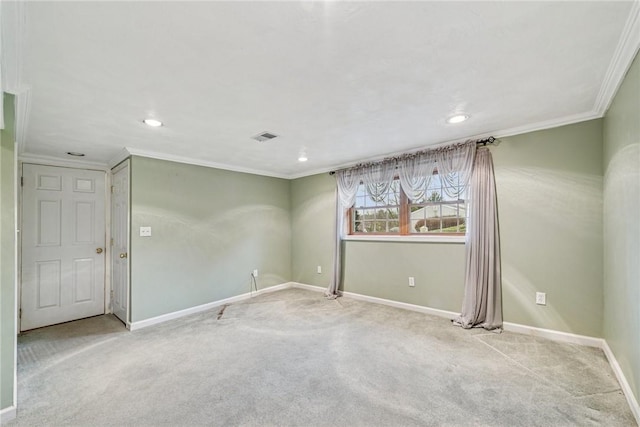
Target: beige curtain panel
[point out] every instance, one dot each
(482, 304)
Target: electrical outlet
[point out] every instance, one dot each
(412, 282)
(255, 273)
(319, 270)
(541, 298)
(145, 231)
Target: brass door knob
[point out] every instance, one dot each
(123, 255)
(99, 250)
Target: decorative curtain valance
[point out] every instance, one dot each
(453, 163)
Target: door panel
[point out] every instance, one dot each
(63, 225)
(48, 284)
(120, 242)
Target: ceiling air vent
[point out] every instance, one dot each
(264, 136)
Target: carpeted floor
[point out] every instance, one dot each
(295, 358)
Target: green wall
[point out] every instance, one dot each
(312, 229)
(549, 186)
(210, 229)
(622, 227)
(7, 254)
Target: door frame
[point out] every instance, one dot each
(124, 163)
(36, 160)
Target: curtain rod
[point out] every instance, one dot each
(489, 140)
(484, 142)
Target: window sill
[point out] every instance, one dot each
(405, 239)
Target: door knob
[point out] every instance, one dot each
(123, 255)
(99, 250)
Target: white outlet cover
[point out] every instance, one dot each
(255, 273)
(319, 270)
(412, 281)
(541, 298)
(145, 231)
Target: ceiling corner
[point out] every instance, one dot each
(628, 47)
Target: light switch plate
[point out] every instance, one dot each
(145, 231)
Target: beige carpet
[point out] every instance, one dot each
(295, 358)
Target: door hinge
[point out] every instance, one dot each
(22, 181)
(111, 294)
(20, 313)
(112, 188)
(112, 241)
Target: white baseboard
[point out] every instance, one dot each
(507, 326)
(552, 335)
(199, 308)
(7, 414)
(624, 384)
(413, 307)
(308, 287)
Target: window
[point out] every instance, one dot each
(438, 211)
(378, 214)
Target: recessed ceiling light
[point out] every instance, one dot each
(458, 118)
(302, 158)
(75, 154)
(152, 122)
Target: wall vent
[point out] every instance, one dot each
(264, 136)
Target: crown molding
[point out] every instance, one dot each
(200, 162)
(499, 133)
(627, 48)
(56, 161)
(23, 108)
(119, 158)
(547, 124)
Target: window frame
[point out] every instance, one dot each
(404, 217)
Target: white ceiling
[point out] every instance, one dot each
(343, 81)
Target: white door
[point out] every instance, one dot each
(63, 243)
(120, 242)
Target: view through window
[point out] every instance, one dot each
(440, 210)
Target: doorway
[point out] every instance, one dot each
(63, 245)
(120, 242)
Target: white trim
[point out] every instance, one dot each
(432, 238)
(200, 162)
(308, 287)
(507, 326)
(626, 50)
(553, 335)
(107, 243)
(64, 163)
(17, 277)
(7, 414)
(406, 306)
(22, 114)
(547, 124)
(119, 158)
(203, 307)
(624, 384)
